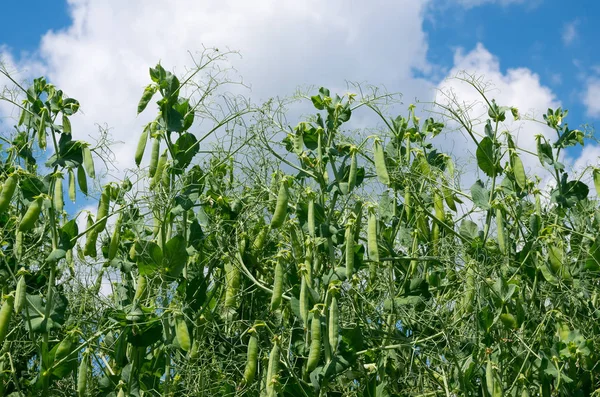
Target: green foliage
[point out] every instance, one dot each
(216, 264)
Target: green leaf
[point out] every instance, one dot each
(185, 148)
(544, 151)
(149, 257)
(485, 157)
(36, 309)
(66, 235)
(480, 195)
(56, 255)
(593, 259)
(469, 229)
(175, 256)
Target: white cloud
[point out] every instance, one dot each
(475, 3)
(569, 33)
(591, 97)
(520, 88)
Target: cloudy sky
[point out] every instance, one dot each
(535, 53)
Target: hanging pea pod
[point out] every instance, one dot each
(372, 245)
(82, 374)
(91, 238)
(308, 262)
(182, 333)
(82, 180)
(232, 280)
(58, 200)
(273, 369)
(31, 215)
(500, 230)
(349, 238)
(304, 302)
(277, 286)
(298, 140)
(158, 173)
(334, 326)
(261, 238)
(140, 289)
(18, 245)
(115, 239)
(20, 294)
(380, 166)
(311, 215)
(141, 146)
(72, 194)
(314, 353)
(41, 132)
(103, 208)
(449, 198)
(8, 190)
(353, 169)
(5, 315)
(518, 170)
(281, 206)
(251, 358)
(88, 162)
(154, 157)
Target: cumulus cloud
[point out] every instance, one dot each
(519, 87)
(591, 97)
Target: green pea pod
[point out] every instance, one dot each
(314, 352)
(140, 290)
(19, 245)
(154, 157)
(349, 238)
(232, 279)
(518, 170)
(489, 377)
(58, 200)
(281, 206)
(72, 194)
(88, 162)
(103, 207)
(115, 239)
(42, 131)
(82, 374)
(334, 325)
(277, 286)
(182, 333)
(65, 348)
(251, 360)
(372, 245)
(304, 301)
(141, 146)
(273, 369)
(160, 167)
(500, 230)
(261, 238)
(20, 294)
(308, 260)
(8, 190)
(5, 315)
(311, 217)
(82, 180)
(380, 166)
(32, 215)
(353, 171)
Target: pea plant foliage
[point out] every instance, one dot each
(294, 260)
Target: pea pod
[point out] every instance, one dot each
(232, 280)
(298, 142)
(281, 206)
(334, 326)
(160, 167)
(65, 348)
(182, 333)
(5, 315)
(311, 216)
(58, 200)
(8, 189)
(489, 377)
(353, 171)
(19, 245)
(82, 180)
(115, 239)
(304, 302)
(500, 230)
(273, 369)
(277, 286)
(308, 263)
(372, 245)
(82, 373)
(140, 289)
(103, 207)
(72, 194)
(141, 146)
(31, 215)
(314, 353)
(518, 170)
(261, 238)
(154, 157)
(349, 249)
(41, 132)
(379, 158)
(20, 294)
(251, 360)
(91, 238)
(88, 162)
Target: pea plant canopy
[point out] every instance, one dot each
(307, 260)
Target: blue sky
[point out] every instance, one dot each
(536, 53)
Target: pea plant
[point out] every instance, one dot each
(294, 260)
